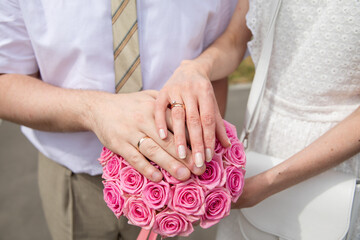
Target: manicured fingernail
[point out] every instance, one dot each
(182, 151)
(199, 159)
(229, 142)
(208, 154)
(162, 134)
(156, 176)
(182, 173)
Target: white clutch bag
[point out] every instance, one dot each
(319, 208)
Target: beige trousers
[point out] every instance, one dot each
(74, 206)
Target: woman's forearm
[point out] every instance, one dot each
(331, 149)
(335, 146)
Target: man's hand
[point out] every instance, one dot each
(121, 120)
(118, 120)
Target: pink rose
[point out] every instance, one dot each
(105, 155)
(138, 213)
(217, 206)
(169, 178)
(213, 176)
(113, 197)
(235, 154)
(131, 180)
(156, 195)
(230, 131)
(234, 181)
(111, 169)
(171, 207)
(219, 149)
(188, 198)
(170, 224)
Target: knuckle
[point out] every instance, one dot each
(205, 86)
(159, 100)
(151, 150)
(208, 120)
(149, 92)
(209, 140)
(168, 142)
(173, 168)
(178, 113)
(134, 159)
(193, 120)
(148, 170)
(111, 144)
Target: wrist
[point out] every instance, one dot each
(202, 65)
(264, 184)
(277, 179)
(89, 108)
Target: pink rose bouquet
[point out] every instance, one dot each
(171, 207)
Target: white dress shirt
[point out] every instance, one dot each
(70, 43)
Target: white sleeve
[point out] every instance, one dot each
(16, 52)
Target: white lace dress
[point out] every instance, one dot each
(314, 74)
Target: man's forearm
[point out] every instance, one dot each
(116, 119)
(28, 101)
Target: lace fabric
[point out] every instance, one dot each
(314, 74)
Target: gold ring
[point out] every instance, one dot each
(140, 141)
(175, 104)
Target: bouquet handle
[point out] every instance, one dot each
(145, 233)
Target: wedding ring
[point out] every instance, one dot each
(176, 104)
(140, 141)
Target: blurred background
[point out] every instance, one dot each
(21, 215)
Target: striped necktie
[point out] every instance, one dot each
(126, 46)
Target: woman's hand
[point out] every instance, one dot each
(190, 85)
(329, 150)
(190, 92)
(121, 120)
(255, 190)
